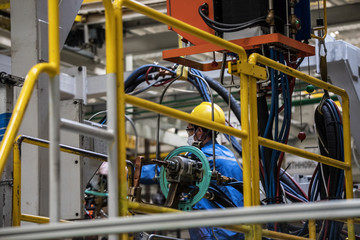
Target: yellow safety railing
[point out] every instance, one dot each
(17, 216)
(52, 68)
(249, 72)
(249, 106)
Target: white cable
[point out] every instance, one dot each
(98, 113)
(284, 194)
(323, 178)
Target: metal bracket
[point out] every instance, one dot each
(8, 182)
(248, 69)
(12, 80)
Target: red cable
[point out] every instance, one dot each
(293, 197)
(147, 75)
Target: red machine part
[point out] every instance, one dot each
(187, 11)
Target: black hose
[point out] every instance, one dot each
(220, 197)
(225, 27)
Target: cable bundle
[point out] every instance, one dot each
(328, 182)
(271, 159)
(196, 78)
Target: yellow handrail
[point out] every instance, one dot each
(52, 69)
(158, 108)
(20, 108)
(251, 159)
(16, 211)
(38, 219)
(121, 134)
(346, 165)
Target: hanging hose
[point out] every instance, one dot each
(331, 183)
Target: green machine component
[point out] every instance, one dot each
(185, 179)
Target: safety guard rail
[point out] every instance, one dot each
(17, 216)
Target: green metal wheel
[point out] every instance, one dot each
(203, 185)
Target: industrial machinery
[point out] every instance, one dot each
(274, 34)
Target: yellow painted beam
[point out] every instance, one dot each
(91, 1)
(4, 6)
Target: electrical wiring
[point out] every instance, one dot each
(138, 76)
(279, 187)
(224, 27)
(239, 28)
(289, 181)
(294, 193)
(96, 114)
(328, 182)
(150, 85)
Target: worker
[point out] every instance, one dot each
(226, 165)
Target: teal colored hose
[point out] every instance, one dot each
(89, 192)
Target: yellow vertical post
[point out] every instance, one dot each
(312, 229)
(244, 105)
(16, 205)
(54, 50)
(110, 37)
(254, 141)
(254, 150)
(123, 203)
(244, 93)
(347, 160)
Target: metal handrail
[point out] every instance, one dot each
(52, 69)
(20, 108)
(16, 211)
(346, 165)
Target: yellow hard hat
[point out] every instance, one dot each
(203, 110)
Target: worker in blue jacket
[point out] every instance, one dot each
(226, 165)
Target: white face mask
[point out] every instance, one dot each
(191, 140)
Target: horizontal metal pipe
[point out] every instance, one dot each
(184, 220)
(86, 129)
(302, 153)
(147, 208)
(170, 112)
(64, 148)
